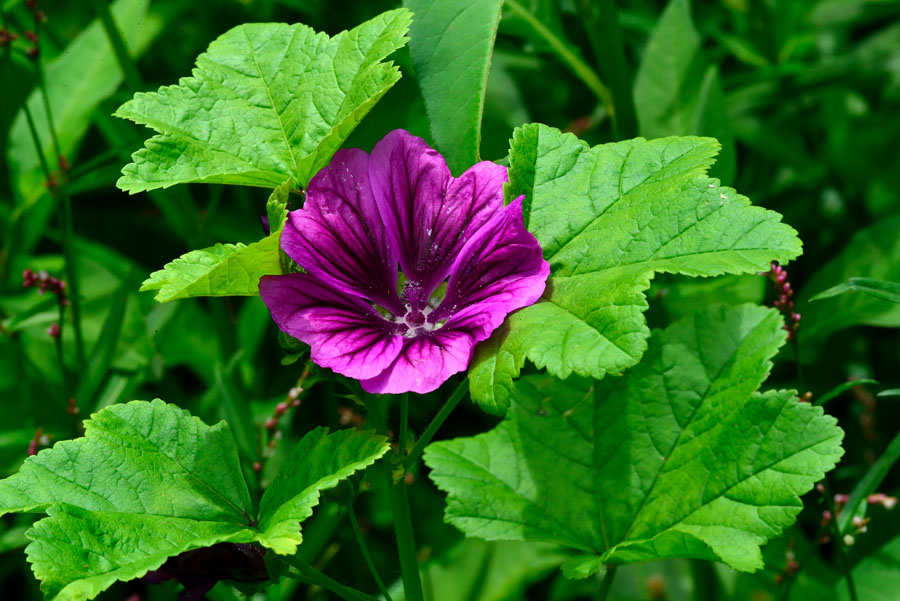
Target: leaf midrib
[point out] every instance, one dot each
(268, 89)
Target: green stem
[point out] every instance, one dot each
(367, 556)
(606, 40)
(839, 542)
(437, 422)
(316, 577)
(581, 69)
(706, 581)
(404, 424)
(68, 234)
(406, 544)
(126, 63)
(606, 584)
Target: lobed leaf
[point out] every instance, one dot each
(148, 482)
(225, 269)
(265, 102)
(678, 458)
(608, 218)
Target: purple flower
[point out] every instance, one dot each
(365, 215)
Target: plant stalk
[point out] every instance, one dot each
(606, 584)
(581, 69)
(406, 544)
(367, 557)
(65, 205)
(439, 419)
(316, 577)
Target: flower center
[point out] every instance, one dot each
(414, 318)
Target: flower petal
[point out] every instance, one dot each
(429, 214)
(345, 333)
(424, 363)
(338, 235)
(500, 269)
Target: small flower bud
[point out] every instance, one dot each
(271, 423)
(281, 408)
(820, 487)
(53, 331)
(30, 36)
(849, 540)
(72, 408)
(257, 466)
(840, 499)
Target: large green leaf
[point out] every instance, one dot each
(676, 92)
(266, 102)
(451, 42)
(608, 218)
(678, 458)
(872, 253)
(83, 76)
(148, 482)
(225, 269)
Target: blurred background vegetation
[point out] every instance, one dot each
(803, 95)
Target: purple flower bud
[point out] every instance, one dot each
(53, 331)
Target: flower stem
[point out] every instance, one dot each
(439, 419)
(606, 584)
(367, 556)
(404, 424)
(581, 69)
(316, 577)
(406, 544)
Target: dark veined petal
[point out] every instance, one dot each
(424, 363)
(500, 269)
(344, 333)
(338, 235)
(429, 215)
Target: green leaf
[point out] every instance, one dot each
(266, 102)
(148, 482)
(841, 389)
(83, 76)
(678, 458)
(451, 43)
(873, 253)
(608, 218)
(676, 92)
(889, 291)
(319, 461)
(225, 269)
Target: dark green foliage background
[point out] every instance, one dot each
(811, 94)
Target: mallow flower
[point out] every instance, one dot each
(465, 262)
